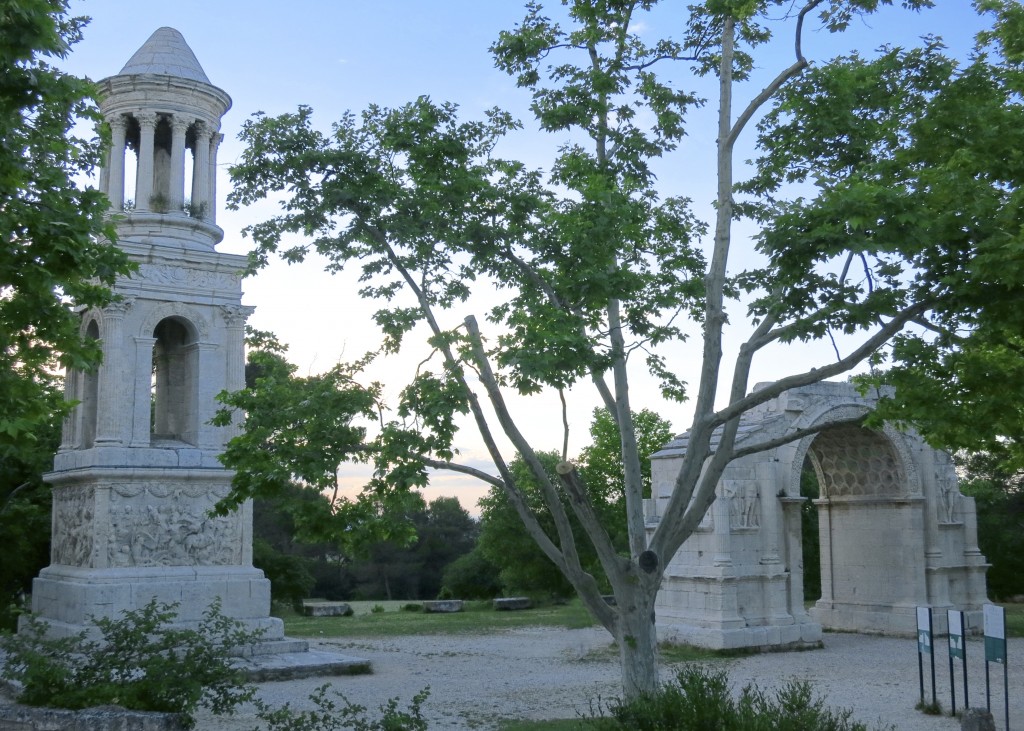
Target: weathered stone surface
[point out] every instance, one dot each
(882, 493)
(442, 606)
(326, 609)
(977, 719)
(103, 718)
(512, 603)
(296, 665)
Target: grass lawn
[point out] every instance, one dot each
(1014, 619)
(391, 619)
(384, 618)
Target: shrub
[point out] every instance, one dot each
(377, 608)
(412, 607)
(470, 576)
(343, 715)
(701, 700)
(140, 662)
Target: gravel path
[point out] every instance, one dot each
(477, 680)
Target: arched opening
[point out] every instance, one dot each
(132, 139)
(161, 200)
(174, 382)
(89, 396)
(811, 540)
(865, 523)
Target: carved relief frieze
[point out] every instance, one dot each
(179, 276)
(163, 524)
(74, 514)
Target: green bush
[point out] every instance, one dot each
(702, 700)
(470, 576)
(343, 715)
(289, 575)
(139, 662)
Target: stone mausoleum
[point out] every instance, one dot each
(894, 531)
(137, 471)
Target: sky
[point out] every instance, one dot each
(341, 55)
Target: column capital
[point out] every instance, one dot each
(236, 315)
(202, 130)
(146, 119)
(119, 308)
(180, 124)
(118, 124)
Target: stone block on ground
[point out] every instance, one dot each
(442, 606)
(512, 603)
(977, 719)
(326, 609)
(103, 718)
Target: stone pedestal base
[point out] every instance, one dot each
(769, 637)
(67, 598)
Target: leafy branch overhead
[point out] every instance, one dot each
(56, 253)
(885, 195)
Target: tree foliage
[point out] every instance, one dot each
(56, 254)
(882, 225)
(524, 567)
(998, 492)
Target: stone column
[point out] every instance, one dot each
(179, 126)
(144, 175)
(115, 167)
(771, 516)
(142, 413)
(722, 531)
(234, 375)
(200, 165)
(794, 553)
(824, 506)
(114, 392)
(203, 357)
(215, 141)
(69, 430)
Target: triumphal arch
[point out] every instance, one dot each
(893, 529)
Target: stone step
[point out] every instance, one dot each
(296, 665)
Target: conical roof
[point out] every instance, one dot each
(166, 52)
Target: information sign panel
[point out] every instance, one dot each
(924, 630)
(995, 633)
(956, 633)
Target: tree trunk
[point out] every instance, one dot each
(637, 639)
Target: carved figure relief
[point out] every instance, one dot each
(744, 507)
(168, 525)
(949, 494)
(72, 543)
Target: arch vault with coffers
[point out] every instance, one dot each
(894, 530)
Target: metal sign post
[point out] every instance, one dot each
(924, 645)
(995, 651)
(957, 648)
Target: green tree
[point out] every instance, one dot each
(448, 533)
(56, 254)
(524, 567)
(869, 226)
(25, 519)
(56, 257)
